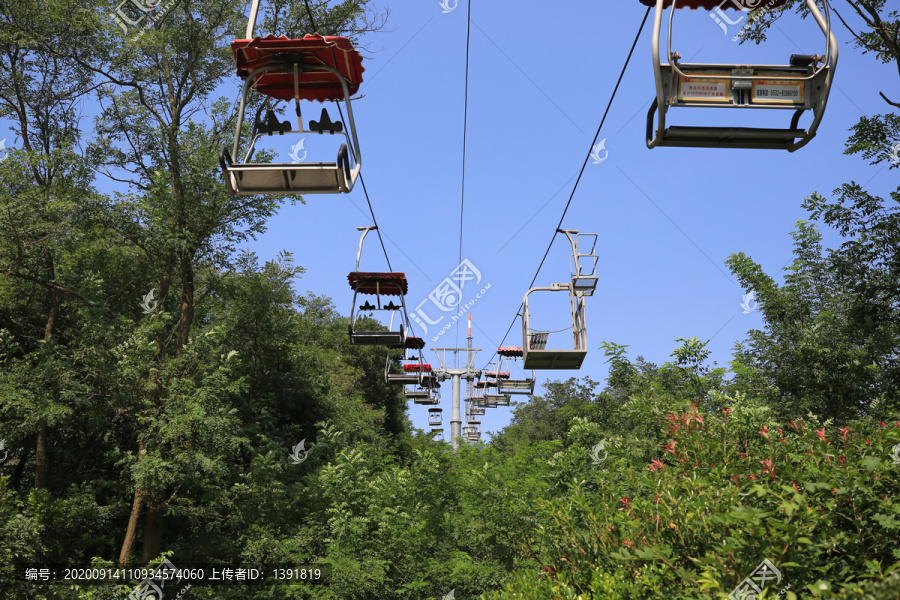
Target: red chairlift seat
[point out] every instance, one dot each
(378, 284)
(496, 374)
(278, 55)
(417, 368)
(510, 351)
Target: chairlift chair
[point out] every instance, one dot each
(474, 430)
(802, 85)
(536, 355)
(480, 402)
(435, 416)
(412, 371)
(497, 399)
(428, 392)
(314, 68)
(377, 284)
(514, 386)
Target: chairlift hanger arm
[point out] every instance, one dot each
(365, 232)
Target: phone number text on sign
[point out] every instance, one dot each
(778, 91)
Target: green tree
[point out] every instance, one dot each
(830, 338)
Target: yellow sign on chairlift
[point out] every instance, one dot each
(706, 89)
(778, 91)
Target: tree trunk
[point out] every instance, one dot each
(40, 456)
(41, 466)
(153, 530)
(131, 531)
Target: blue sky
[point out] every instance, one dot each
(539, 81)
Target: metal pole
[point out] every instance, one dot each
(455, 421)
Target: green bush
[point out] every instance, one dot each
(820, 505)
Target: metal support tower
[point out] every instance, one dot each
(469, 373)
(470, 383)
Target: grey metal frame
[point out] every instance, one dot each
(556, 359)
(816, 90)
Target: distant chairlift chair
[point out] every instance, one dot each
(413, 370)
(536, 355)
(514, 386)
(583, 281)
(313, 68)
(801, 86)
(378, 285)
(427, 392)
